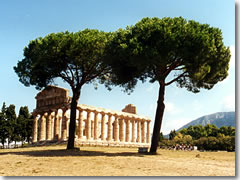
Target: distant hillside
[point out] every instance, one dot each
(219, 119)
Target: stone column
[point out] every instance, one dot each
(121, 129)
(133, 131)
(127, 130)
(59, 120)
(103, 126)
(43, 127)
(67, 125)
(116, 129)
(138, 130)
(95, 125)
(52, 126)
(35, 129)
(80, 125)
(143, 131)
(148, 131)
(64, 127)
(88, 126)
(56, 125)
(49, 125)
(109, 137)
(92, 129)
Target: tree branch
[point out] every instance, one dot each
(178, 69)
(172, 67)
(71, 72)
(67, 79)
(89, 78)
(175, 79)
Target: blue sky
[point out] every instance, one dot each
(25, 20)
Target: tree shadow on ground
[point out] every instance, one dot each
(64, 152)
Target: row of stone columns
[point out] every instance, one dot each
(53, 126)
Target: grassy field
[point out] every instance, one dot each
(107, 161)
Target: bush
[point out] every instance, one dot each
(226, 143)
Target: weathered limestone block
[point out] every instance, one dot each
(103, 126)
(92, 128)
(43, 127)
(121, 129)
(130, 108)
(88, 125)
(35, 129)
(64, 126)
(127, 130)
(139, 131)
(96, 125)
(49, 126)
(143, 131)
(133, 131)
(109, 137)
(116, 129)
(80, 125)
(56, 125)
(148, 131)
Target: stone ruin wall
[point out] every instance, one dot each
(94, 125)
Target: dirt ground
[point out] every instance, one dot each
(112, 161)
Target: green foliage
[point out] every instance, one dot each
(182, 139)
(15, 128)
(190, 54)
(208, 137)
(153, 48)
(209, 130)
(11, 123)
(166, 143)
(226, 143)
(172, 134)
(161, 136)
(25, 122)
(74, 57)
(178, 138)
(3, 125)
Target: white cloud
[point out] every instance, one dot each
(172, 108)
(197, 106)
(150, 88)
(228, 103)
(153, 107)
(176, 123)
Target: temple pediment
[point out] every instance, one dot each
(52, 97)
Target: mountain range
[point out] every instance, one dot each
(219, 119)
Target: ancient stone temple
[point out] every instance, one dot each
(94, 125)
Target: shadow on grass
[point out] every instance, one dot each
(64, 152)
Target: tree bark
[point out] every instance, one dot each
(72, 125)
(158, 118)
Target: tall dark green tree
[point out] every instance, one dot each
(11, 123)
(29, 128)
(3, 125)
(76, 58)
(172, 134)
(167, 51)
(25, 124)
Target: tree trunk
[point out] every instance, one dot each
(158, 118)
(72, 125)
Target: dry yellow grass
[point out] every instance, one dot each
(107, 161)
